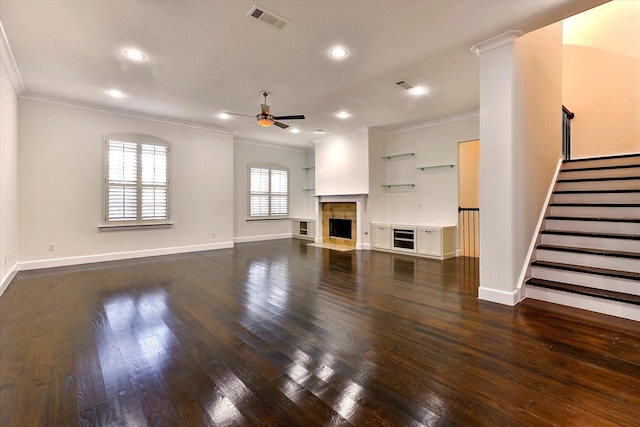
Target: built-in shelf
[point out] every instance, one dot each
(308, 168)
(397, 185)
(394, 156)
(422, 168)
(308, 189)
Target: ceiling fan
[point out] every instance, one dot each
(266, 119)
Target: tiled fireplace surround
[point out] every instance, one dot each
(341, 207)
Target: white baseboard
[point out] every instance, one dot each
(262, 238)
(86, 259)
(501, 297)
(363, 246)
(6, 280)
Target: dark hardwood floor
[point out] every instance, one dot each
(283, 334)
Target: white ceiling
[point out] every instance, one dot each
(205, 57)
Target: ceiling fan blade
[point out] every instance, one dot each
(281, 125)
(265, 109)
(298, 117)
(237, 114)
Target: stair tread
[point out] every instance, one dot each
(599, 168)
(613, 191)
(604, 205)
(614, 156)
(590, 270)
(587, 234)
(584, 290)
(590, 251)
(582, 218)
(606, 178)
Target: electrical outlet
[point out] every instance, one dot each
(213, 234)
(52, 246)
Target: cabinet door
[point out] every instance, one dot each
(295, 227)
(430, 241)
(381, 236)
(311, 229)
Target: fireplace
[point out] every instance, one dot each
(340, 228)
(340, 219)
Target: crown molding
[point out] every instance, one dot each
(436, 122)
(7, 58)
(272, 145)
(119, 112)
(496, 42)
(355, 132)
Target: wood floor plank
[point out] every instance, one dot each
(279, 333)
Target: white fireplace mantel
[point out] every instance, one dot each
(360, 201)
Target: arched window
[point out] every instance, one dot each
(268, 191)
(136, 180)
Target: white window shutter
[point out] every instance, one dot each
(137, 181)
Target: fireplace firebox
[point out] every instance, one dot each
(340, 228)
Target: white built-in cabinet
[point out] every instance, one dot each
(424, 240)
(381, 236)
(303, 228)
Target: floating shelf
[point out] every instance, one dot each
(393, 156)
(308, 168)
(397, 185)
(308, 189)
(422, 168)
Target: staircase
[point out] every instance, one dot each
(588, 252)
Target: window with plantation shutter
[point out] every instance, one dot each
(136, 180)
(268, 191)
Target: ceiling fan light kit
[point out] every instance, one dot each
(265, 119)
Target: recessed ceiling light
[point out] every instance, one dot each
(418, 90)
(115, 93)
(343, 115)
(295, 130)
(319, 131)
(338, 52)
(223, 116)
(134, 54)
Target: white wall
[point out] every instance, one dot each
(8, 178)
(601, 79)
(434, 199)
(520, 145)
(342, 164)
(60, 186)
(538, 124)
(300, 202)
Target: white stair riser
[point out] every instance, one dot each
(593, 226)
(622, 184)
(599, 305)
(595, 163)
(597, 198)
(624, 245)
(589, 280)
(595, 211)
(600, 173)
(589, 260)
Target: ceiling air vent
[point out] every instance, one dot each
(261, 14)
(405, 84)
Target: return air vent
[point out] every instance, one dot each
(261, 14)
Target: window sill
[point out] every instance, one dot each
(268, 218)
(135, 226)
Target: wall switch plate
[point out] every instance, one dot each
(213, 234)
